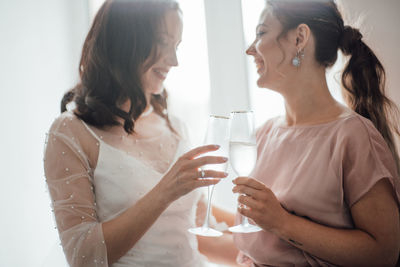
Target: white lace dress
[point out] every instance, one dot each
(84, 194)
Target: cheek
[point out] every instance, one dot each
(151, 84)
(145, 79)
(275, 55)
(264, 47)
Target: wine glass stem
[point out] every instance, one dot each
(245, 221)
(210, 190)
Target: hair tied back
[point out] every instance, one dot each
(350, 39)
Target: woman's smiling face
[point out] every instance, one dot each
(272, 53)
(169, 39)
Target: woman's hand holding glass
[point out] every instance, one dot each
(184, 176)
(217, 133)
(259, 203)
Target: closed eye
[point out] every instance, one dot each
(261, 29)
(259, 34)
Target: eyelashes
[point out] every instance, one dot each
(261, 33)
(166, 45)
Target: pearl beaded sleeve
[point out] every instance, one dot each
(69, 178)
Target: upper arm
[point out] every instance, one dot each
(377, 214)
(68, 170)
(70, 182)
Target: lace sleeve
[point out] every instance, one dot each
(70, 181)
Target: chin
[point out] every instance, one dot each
(270, 83)
(262, 83)
(157, 90)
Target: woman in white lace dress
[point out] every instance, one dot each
(119, 170)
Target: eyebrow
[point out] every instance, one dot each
(168, 35)
(261, 25)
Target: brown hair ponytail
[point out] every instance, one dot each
(363, 81)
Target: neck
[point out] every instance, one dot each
(149, 108)
(126, 106)
(308, 100)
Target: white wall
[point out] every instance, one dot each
(40, 45)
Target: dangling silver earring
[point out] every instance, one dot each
(296, 61)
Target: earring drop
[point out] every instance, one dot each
(296, 61)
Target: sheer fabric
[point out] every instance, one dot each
(69, 176)
(318, 172)
(94, 175)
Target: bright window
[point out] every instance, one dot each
(188, 85)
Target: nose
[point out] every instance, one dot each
(251, 50)
(172, 59)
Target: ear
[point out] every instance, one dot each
(302, 36)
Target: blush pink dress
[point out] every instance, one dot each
(317, 172)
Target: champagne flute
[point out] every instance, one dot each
(243, 156)
(217, 133)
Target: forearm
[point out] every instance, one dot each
(352, 247)
(374, 241)
(220, 250)
(122, 232)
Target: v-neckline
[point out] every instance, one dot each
(144, 164)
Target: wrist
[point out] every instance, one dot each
(159, 195)
(289, 230)
(283, 227)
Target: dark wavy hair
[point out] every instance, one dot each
(363, 78)
(124, 34)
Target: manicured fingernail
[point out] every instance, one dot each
(225, 159)
(217, 146)
(226, 174)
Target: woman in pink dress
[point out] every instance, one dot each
(325, 189)
(120, 173)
